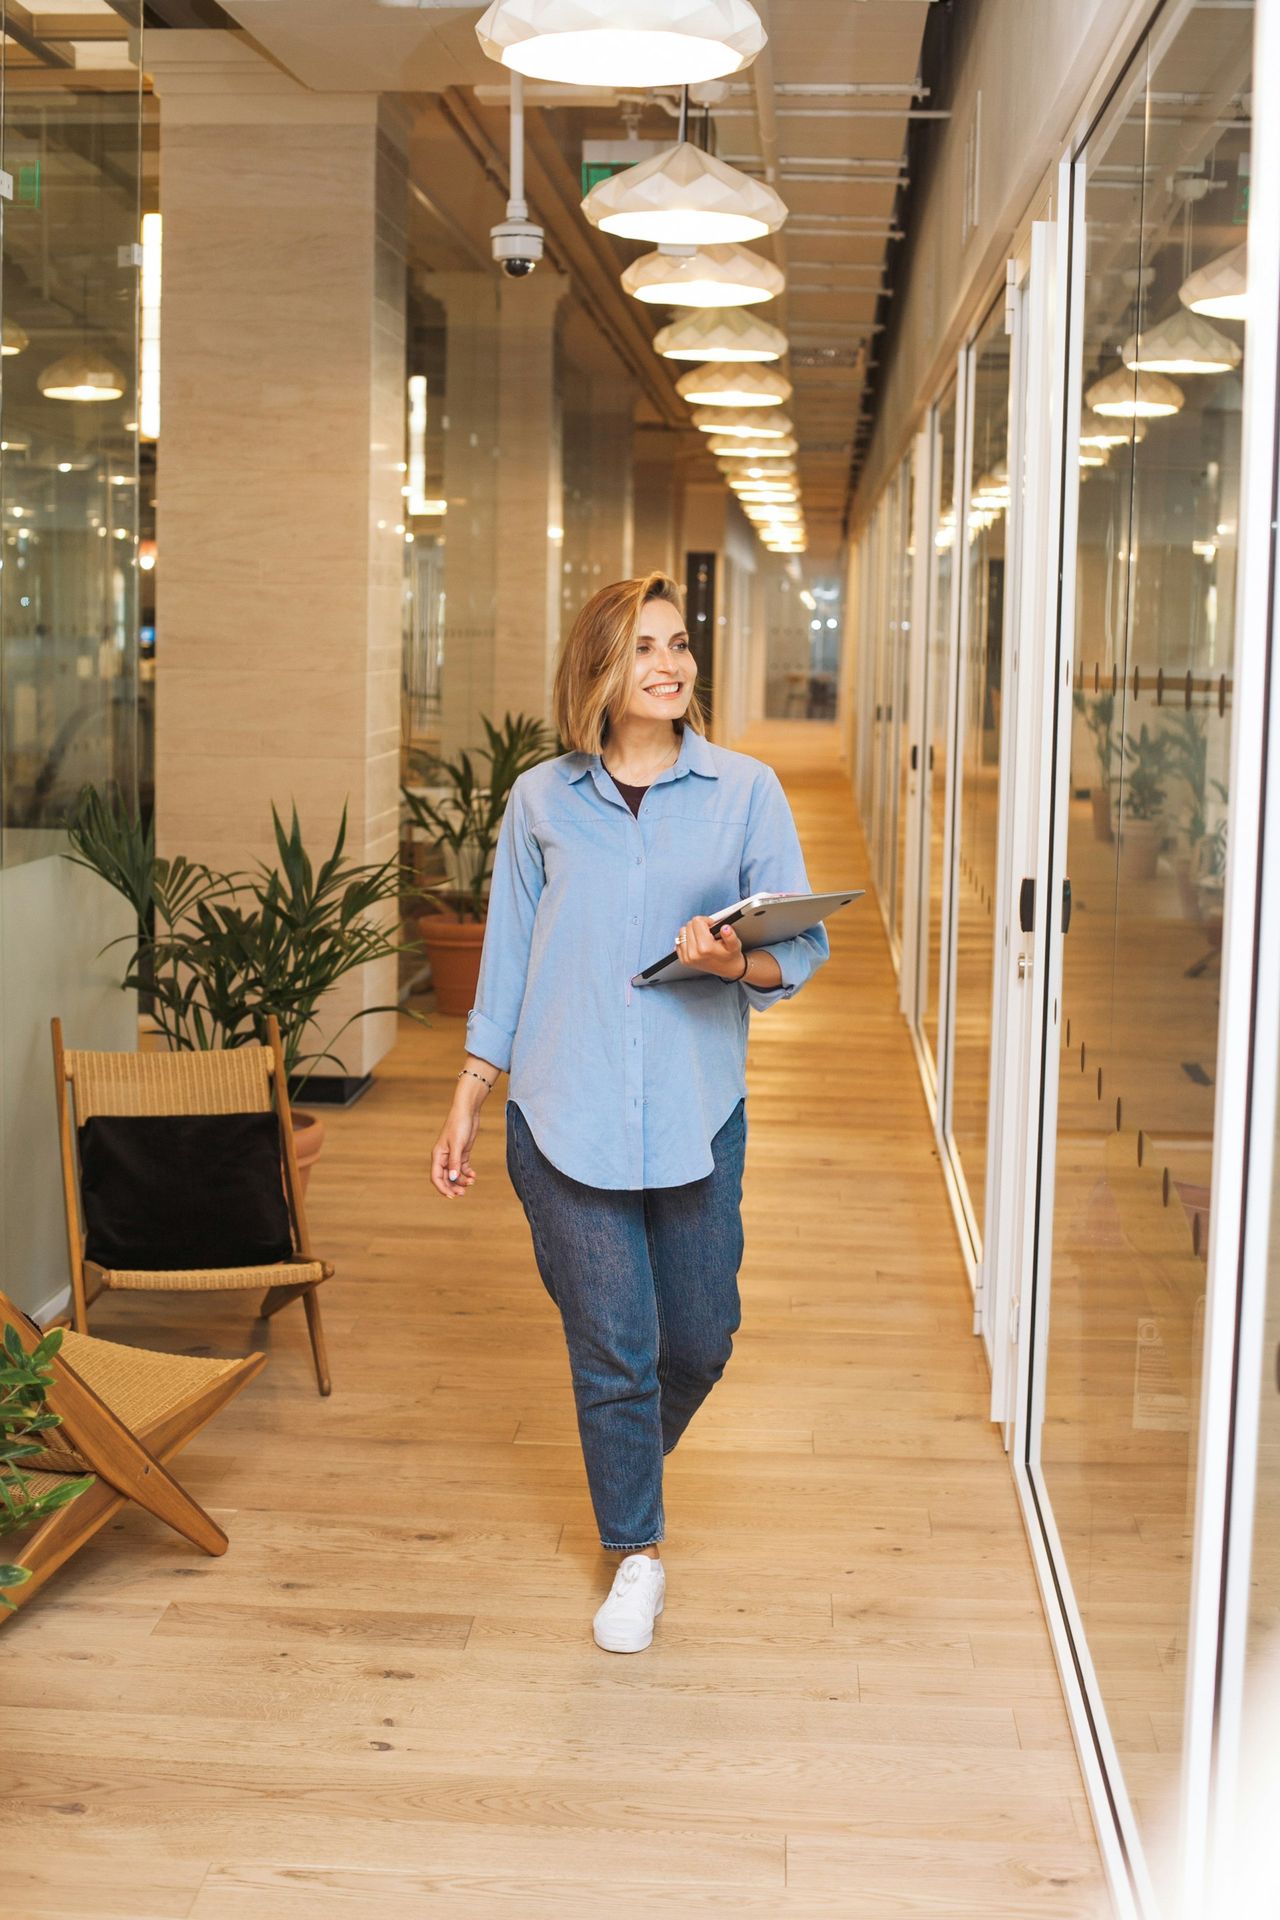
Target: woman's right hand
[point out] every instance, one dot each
(452, 1151)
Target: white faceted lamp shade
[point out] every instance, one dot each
(622, 43)
(15, 338)
(749, 423)
(704, 277)
(732, 338)
(750, 450)
(684, 197)
(1184, 343)
(81, 376)
(1135, 396)
(750, 386)
(1219, 290)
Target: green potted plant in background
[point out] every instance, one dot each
(1099, 716)
(1204, 855)
(25, 1379)
(463, 820)
(1141, 780)
(215, 953)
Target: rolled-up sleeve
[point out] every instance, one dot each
(773, 862)
(514, 892)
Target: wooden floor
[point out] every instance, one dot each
(385, 1698)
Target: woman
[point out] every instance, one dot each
(626, 1112)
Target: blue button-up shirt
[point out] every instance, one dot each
(623, 1086)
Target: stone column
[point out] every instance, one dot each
(280, 524)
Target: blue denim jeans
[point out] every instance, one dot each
(646, 1282)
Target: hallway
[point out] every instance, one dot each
(386, 1697)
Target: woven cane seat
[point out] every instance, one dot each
(285, 1273)
(142, 1389)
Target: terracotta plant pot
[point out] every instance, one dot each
(453, 948)
(1139, 845)
(308, 1139)
(1102, 828)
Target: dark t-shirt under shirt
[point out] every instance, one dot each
(632, 795)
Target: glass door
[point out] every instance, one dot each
(1142, 821)
(937, 683)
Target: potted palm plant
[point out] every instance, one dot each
(464, 819)
(215, 953)
(1099, 717)
(1145, 765)
(25, 1379)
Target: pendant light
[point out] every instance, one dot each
(1184, 343)
(751, 449)
(733, 338)
(14, 338)
(684, 197)
(733, 387)
(1142, 396)
(751, 423)
(1102, 438)
(81, 376)
(703, 277)
(1221, 289)
(642, 43)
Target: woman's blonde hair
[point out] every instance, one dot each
(595, 671)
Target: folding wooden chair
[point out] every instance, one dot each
(125, 1412)
(234, 1080)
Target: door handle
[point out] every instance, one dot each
(1066, 906)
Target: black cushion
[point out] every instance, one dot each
(182, 1191)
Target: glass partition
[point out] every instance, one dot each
(1165, 210)
(937, 678)
(903, 562)
(977, 806)
(69, 431)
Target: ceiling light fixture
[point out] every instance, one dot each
(751, 449)
(684, 197)
(748, 386)
(1184, 343)
(747, 424)
(14, 338)
(703, 277)
(1094, 434)
(644, 43)
(1135, 396)
(1221, 289)
(731, 337)
(81, 376)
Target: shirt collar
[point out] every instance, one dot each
(695, 756)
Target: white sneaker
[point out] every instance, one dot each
(624, 1624)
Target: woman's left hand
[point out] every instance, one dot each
(699, 945)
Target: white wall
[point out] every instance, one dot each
(54, 921)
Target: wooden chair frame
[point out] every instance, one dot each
(129, 1465)
(88, 1279)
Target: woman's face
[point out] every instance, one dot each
(665, 670)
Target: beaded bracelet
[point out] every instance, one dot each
(478, 1076)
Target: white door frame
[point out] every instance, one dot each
(916, 869)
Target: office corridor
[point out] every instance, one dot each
(386, 1698)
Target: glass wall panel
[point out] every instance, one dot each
(69, 433)
(1166, 199)
(904, 563)
(936, 686)
(977, 813)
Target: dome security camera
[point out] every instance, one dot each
(517, 247)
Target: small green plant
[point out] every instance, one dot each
(215, 953)
(468, 819)
(1099, 716)
(25, 1379)
(1188, 749)
(1146, 760)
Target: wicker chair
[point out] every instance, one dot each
(235, 1080)
(124, 1413)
